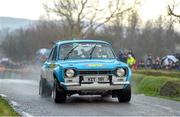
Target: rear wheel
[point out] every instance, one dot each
(58, 94)
(124, 95)
(44, 90)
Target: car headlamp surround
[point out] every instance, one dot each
(70, 73)
(120, 72)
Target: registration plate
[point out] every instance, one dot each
(96, 79)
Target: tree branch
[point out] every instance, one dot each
(171, 12)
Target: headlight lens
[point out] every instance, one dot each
(120, 72)
(70, 73)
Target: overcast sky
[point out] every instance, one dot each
(30, 9)
(33, 9)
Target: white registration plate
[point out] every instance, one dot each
(96, 79)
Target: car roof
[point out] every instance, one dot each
(80, 41)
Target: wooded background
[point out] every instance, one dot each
(117, 23)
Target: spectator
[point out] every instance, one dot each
(171, 64)
(130, 52)
(141, 64)
(177, 55)
(149, 62)
(157, 64)
(178, 65)
(131, 61)
(122, 57)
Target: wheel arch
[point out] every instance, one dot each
(58, 74)
(59, 79)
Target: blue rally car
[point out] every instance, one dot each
(84, 67)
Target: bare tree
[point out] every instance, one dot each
(171, 9)
(86, 16)
(157, 38)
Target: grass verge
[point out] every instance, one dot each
(6, 109)
(172, 74)
(160, 84)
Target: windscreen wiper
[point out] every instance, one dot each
(68, 54)
(90, 54)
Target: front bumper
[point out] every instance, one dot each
(95, 86)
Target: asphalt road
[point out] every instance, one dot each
(23, 94)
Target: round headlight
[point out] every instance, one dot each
(120, 72)
(70, 73)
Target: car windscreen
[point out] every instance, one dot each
(86, 51)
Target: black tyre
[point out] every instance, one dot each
(124, 95)
(44, 90)
(58, 94)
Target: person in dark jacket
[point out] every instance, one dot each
(122, 56)
(149, 62)
(130, 52)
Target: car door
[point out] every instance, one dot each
(48, 65)
(45, 67)
(52, 65)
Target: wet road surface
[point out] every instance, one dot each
(24, 95)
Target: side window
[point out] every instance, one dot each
(55, 54)
(51, 54)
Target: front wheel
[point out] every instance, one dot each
(124, 95)
(58, 94)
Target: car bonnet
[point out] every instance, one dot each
(92, 64)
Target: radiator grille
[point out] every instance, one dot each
(95, 72)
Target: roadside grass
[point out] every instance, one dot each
(167, 73)
(6, 109)
(161, 84)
